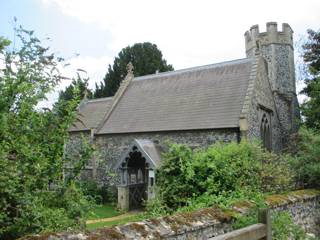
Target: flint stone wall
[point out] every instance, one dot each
(304, 210)
(109, 148)
(303, 206)
(113, 146)
(282, 75)
(261, 100)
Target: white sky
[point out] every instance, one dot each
(189, 33)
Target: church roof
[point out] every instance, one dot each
(90, 114)
(206, 97)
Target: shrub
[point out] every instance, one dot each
(220, 173)
(91, 190)
(283, 227)
(276, 173)
(101, 194)
(45, 211)
(156, 207)
(305, 149)
(32, 142)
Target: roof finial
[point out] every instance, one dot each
(84, 100)
(130, 68)
(85, 97)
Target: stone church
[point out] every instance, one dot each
(250, 98)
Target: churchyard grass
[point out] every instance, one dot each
(103, 211)
(117, 221)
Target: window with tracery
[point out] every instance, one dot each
(265, 131)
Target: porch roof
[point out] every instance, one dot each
(149, 150)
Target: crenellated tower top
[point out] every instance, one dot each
(254, 39)
(276, 47)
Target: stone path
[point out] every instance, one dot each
(110, 219)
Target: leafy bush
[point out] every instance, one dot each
(156, 207)
(246, 220)
(91, 189)
(33, 197)
(276, 173)
(44, 211)
(101, 194)
(305, 149)
(283, 227)
(219, 174)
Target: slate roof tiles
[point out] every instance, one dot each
(90, 114)
(205, 97)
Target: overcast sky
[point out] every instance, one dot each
(189, 33)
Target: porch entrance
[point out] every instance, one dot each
(138, 179)
(136, 170)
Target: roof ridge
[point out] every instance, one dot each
(250, 88)
(99, 99)
(197, 68)
(116, 98)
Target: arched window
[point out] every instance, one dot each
(265, 132)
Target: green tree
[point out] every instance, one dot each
(311, 107)
(146, 59)
(31, 144)
(305, 149)
(76, 91)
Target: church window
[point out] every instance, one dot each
(265, 132)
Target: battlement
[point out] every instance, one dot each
(255, 39)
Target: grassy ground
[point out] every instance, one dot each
(106, 211)
(131, 218)
(103, 211)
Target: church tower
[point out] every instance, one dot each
(277, 49)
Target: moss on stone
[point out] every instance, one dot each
(106, 233)
(179, 221)
(154, 221)
(306, 193)
(43, 236)
(243, 204)
(172, 222)
(156, 235)
(212, 212)
(140, 228)
(277, 199)
(230, 214)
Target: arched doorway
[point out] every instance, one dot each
(137, 172)
(137, 178)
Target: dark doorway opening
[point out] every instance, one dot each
(137, 179)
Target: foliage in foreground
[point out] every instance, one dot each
(33, 196)
(311, 56)
(78, 89)
(283, 227)
(226, 174)
(219, 175)
(305, 151)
